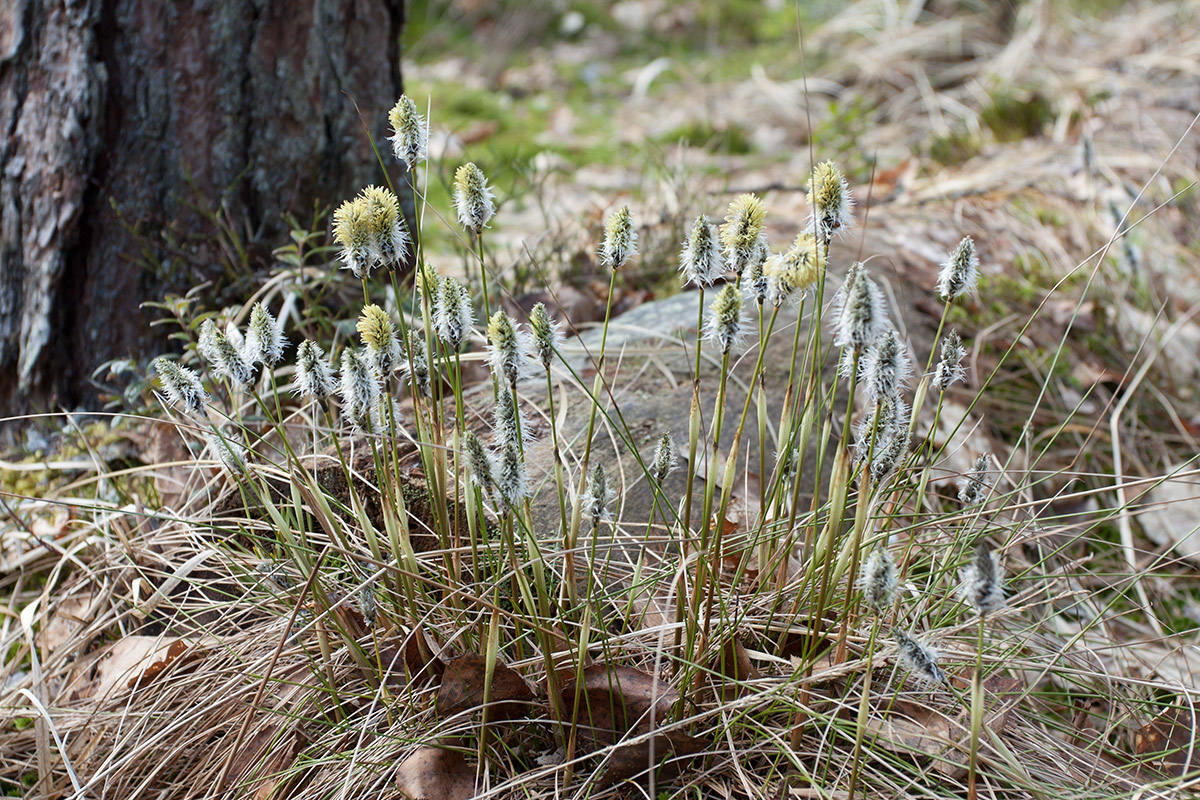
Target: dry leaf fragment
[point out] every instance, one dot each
(420, 657)
(463, 688)
(432, 773)
(1169, 741)
(179, 652)
(617, 700)
(133, 662)
(928, 732)
(733, 664)
(672, 749)
(71, 617)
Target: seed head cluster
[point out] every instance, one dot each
(379, 339)
(949, 369)
(264, 343)
(508, 348)
(885, 367)
(796, 271)
(861, 318)
(919, 658)
(973, 487)
(665, 459)
(225, 356)
(878, 579)
(370, 231)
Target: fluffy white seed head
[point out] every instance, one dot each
(862, 318)
(599, 496)
(509, 425)
(895, 447)
(723, 325)
(981, 582)
(354, 233)
(700, 261)
(410, 132)
(892, 414)
(756, 276)
(829, 196)
(973, 487)
(960, 271)
(455, 314)
(878, 579)
(508, 348)
(741, 235)
(181, 385)
(359, 387)
(379, 339)
(481, 464)
(264, 338)
(512, 480)
(388, 236)
(796, 271)
(919, 658)
(473, 198)
(314, 376)
(547, 334)
(885, 367)
(224, 355)
(949, 368)
(620, 239)
(666, 458)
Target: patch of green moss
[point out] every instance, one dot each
(954, 148)
(730, 139)
(1011, 118)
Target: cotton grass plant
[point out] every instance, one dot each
(424, 523)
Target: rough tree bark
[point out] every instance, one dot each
(122, 114)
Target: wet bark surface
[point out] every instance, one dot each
(131, 126)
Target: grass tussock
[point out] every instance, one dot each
(820, 526)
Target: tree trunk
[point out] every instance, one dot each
(128, 123)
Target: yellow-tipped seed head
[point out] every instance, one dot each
(473, 198)
(620, 240)
(741, 231)
(410, 132)
(353, 231)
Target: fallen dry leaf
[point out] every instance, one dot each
(617, 700)
(1165, 742)
(734, 667)
(921, 730)
(179, 651)
(433, 773)
(420, 657)
(134, 662)
(632, 759)
(71, 616)
(463, 688)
